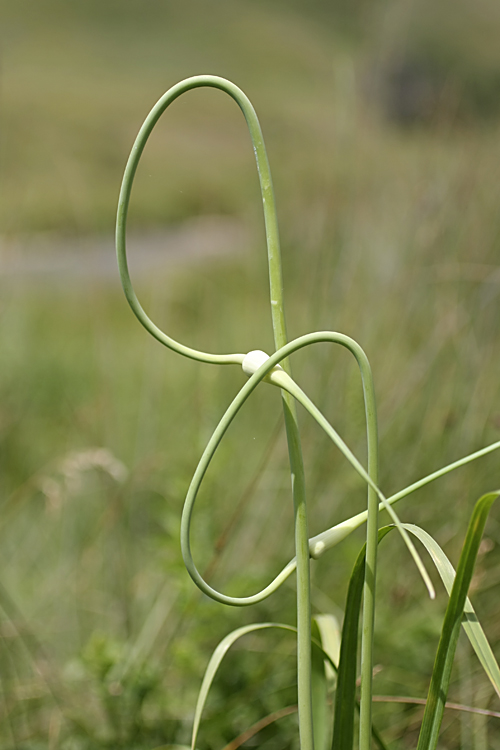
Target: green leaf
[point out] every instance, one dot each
(440, 681)
(470, 622)
(215, 661)
(345, 697)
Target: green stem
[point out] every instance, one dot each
(126, 188)
(304, 668)
(368, 616)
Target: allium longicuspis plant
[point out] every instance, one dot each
(275, 370)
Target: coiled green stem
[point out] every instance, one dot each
(279, 328)
(231, 412)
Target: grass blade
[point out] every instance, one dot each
(221, 650)
(345, 697)
(470, 622)
(438, 689)
(215, 661)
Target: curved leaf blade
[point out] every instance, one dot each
(345, 697)
(470, 623)
(214, 664)
(226, 643)
(440, 681)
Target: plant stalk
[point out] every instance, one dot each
(368, 617)
(294, 449)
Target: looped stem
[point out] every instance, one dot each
(280, 379)
(123, 204)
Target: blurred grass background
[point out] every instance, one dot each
(381, 122)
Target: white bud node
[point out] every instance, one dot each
(254, 360)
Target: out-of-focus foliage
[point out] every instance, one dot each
(390, 234)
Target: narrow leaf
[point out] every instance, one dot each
(440, 681)
(224, 647)
(470, 622)
(345, 697)
(215, 661)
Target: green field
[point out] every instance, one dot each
(390, 233)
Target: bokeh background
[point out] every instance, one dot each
(382, 124)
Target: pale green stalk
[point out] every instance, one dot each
(292, 433)
(304, 666)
